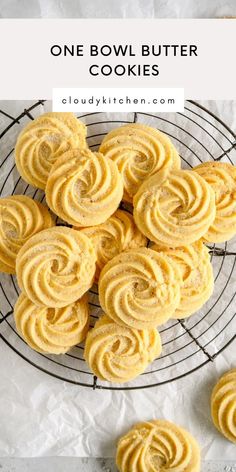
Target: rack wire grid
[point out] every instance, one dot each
(188, 345)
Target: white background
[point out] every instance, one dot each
(154, 100)
(31, 71)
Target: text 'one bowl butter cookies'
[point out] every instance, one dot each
(116, 235)
(84, 188)
(223, 405)
(139, 152)
(119, 353)
(174, 208)
(56, 267)
(156, 446)
(42, 141)
(20, 218)
(140, 288)
(194, 264)
(51, 330)
(222, 179)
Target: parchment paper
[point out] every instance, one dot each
(117, 9)
(43, 416)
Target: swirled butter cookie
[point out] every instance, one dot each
(156, 446)
(195, 267)
(139, 152)
(84, 188)
(56, 267)
(20, 218)
(116, 235)
(174, 208)
(118, 353)
(223, 405)
(222, 179)
(42, 141)
(140, 288)
(51, 330)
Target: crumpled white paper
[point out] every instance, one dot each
(43, 416)
(116, 9)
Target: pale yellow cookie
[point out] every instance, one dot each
(140, 288)
(84, 188)
(56, 267)
(116, 235)
(222, 179)
(156, 446)
(139, 151)
(194, 263)
(51, 330)
(20, 218)
(174, 208)
(118, 353)
(223, 405)
(43, 140)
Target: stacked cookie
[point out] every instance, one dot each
(177, 211)
(54, 265)
(55, 268)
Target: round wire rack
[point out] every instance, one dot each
(188, 345)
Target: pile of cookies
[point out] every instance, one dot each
(171, 210)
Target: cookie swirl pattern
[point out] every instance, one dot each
(42, 141)
(140, 288)
(139, 152)
(56, 267)
(194, 264)
(174, 208)
(84, 188)
(223, 405)
(51, 330)
(222, 178)
(156, 446)
(119, 354)
(116, 235)
(20, 218)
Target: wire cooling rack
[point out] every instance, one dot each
(188, 345)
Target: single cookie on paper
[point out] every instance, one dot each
(20, 218)
(84, 188)
(116, 235)
(174, 208)
(51, 330)
(140, 288)
(56, 267)
(117, 353)
(222, 179)
(45, 139)
(158, 446)
(194, 264)
(139, 152)
(223, 405)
